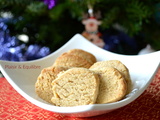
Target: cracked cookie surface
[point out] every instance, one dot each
(112, 85)
(74, 87)
(119, 66)
(43, 86)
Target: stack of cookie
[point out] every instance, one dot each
(76, 78)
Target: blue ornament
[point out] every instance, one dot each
(12, 50)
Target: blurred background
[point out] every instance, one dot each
(32, 29)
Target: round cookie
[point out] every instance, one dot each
(43, 86)
(84, 54)
(119, 66)
(74, 87)
(69, 60)
(112, 85)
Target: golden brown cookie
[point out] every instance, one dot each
(44, 80)
(119, 66)
(69, 60)
(84, 54)
(112, 85)
(74, 87)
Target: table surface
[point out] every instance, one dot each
(14, 107)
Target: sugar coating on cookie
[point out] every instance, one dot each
(43, 86)
(112, 85)
(75, 58)
(69, 60)
(119, 66)
(84, 54)
(74, 87)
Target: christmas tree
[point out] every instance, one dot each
(52, 23)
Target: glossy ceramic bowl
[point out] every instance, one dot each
(23, 75)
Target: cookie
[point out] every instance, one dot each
(44, 80)
(112, 85)
(69, 60)
(74, 87)
(84, 54)
(119, 66)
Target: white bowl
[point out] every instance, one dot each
(23, 75)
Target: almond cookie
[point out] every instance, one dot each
(112, 85)
(119, 66)
(69, 60)
(84, 54)
(44, 80)
(74, 87)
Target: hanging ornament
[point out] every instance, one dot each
(91, 29)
